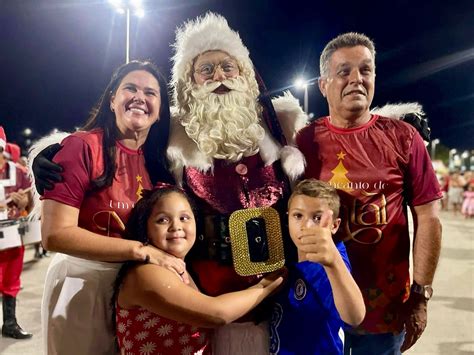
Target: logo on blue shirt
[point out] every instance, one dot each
(300, 289)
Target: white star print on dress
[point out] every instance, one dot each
(164, 330)
(121, 327)
(148, 348)
(142, 335)
(142, 316)
(184, 339)
(140, 332)
(151, 322)
(128, 344)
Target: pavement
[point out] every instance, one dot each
(450, 312)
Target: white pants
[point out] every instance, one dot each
(242, 339)
(76, 312)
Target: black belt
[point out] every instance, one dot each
(213, 241)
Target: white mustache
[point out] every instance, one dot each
(235, 84)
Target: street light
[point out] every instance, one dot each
(434, 142)
(125, 7)
(464, 157)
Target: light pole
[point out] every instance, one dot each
(125, 7)
(26, 133)
(303, 84)
(464, 157)
(451, 159)
(434, 142)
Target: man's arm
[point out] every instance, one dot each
(427, 242)
(426, 250)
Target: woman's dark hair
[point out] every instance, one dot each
(155, 145)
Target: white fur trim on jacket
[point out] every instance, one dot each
(290, 115)
(205, 33)
(292, 162)
(35, 149)
(183, 152)
(399, 110)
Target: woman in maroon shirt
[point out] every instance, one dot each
(84, 214)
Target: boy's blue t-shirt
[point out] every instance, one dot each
(305, 319)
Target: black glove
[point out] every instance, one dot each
(420, 123)
(45, 171)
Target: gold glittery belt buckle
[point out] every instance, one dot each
(256, 240)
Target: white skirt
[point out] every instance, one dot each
(76, 311)
(241, 339)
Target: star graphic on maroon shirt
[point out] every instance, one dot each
(341, 155)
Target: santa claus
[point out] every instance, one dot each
(231, 148)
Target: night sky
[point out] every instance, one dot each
(57, 56)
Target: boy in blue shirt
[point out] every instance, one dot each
(320, 295)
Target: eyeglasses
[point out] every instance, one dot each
(228, 67)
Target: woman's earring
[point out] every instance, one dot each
(111, 108)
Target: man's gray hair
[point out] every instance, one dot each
(345, 40)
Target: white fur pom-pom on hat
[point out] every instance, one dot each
(205, 33)
(3, 138)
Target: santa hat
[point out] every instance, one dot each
(206, 33)
(13, 152)
(3, 138)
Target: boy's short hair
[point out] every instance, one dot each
(318, 189)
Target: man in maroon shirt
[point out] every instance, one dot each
(379, 166)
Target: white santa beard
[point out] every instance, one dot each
(224, 126)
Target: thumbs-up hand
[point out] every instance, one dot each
(317, 243)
